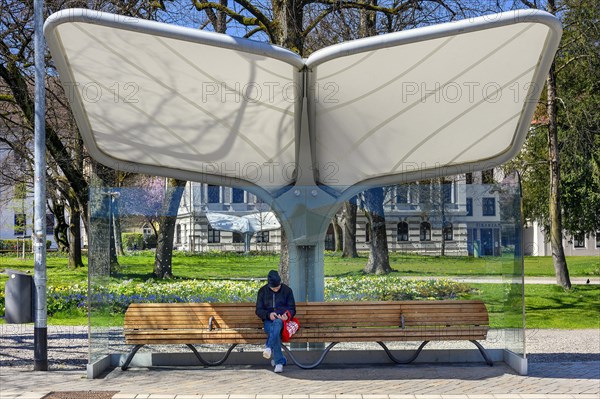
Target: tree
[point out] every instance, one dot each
(578, 86)
(560, 161)
(349, 224)
(168, 217)
(337, 233)
(378, 262)
(64, 147)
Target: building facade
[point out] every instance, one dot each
(459, 216)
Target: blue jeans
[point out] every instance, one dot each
(273, 329)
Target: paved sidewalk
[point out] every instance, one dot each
(575, 380)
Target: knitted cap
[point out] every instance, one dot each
(274, 279)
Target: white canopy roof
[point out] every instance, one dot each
(167, 100)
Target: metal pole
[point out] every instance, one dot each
(40, 337)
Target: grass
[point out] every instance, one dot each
(227, 266)
(547, 306)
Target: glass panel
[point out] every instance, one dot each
(99, 301)
(513, 311)
(453, 227)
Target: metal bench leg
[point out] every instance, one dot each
(396, 360)
(313, 365)
(136, 348)
(206, 362)
(483, 353)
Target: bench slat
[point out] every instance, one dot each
(160, 323)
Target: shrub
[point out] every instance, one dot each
(116, 297)
(132, 240)
(12, 245)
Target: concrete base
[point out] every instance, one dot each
(182, 359)
(515, 362)
(96, 368)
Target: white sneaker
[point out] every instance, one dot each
(267, 353)
(278, 368)
(272, 363)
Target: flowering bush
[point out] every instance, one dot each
(116, 297)
(386, 288)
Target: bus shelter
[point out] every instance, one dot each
(305, 135)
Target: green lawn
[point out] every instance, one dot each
(547, 306)
(226, 266)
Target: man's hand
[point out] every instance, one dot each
(273, 316)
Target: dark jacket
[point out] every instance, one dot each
(268, 301)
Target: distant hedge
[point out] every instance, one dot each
(13, 245)
(137, 241)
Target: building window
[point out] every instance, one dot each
(237, 238)
(402, 231)
(262, 236)
(402, 195)
(214, 236)
(487, 176)
(368, 232)
(147, 230)
(424, 192)
(425, 231)
(447, 232)
(598, 239)
(447, 192)
(237, 196)
(489, 206)
(469, 178)
(49, 224)
(213, 196)
(178, 234)
(20, 224)
(579, 240)
(469, 206)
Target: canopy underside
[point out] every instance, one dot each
(167, 100)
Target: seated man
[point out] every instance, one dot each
(272, 302)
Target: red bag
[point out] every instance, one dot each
(290, 327)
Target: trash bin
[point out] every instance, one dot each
(18, 298)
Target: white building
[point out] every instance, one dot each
(469, 224)
(580, 245)
(16, 219)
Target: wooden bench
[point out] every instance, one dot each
(327, 322)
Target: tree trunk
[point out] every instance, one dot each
(349, 215)
(442, 194)
(75, 259)
(558, 253)
(106, 182)
(116, 225)
(288, 15)
(163, 265)
(61, 231)
(337, 234)
(379, 262)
